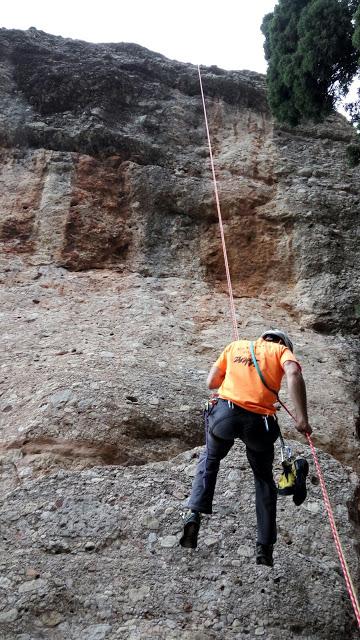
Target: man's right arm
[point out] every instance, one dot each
(297, 393)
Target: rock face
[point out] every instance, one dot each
(114, 306)
(110, 140)
(84, 561)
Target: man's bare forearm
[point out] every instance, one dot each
(297, 393)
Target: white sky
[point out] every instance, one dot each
(223, 32)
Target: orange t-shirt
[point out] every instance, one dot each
(242, 384)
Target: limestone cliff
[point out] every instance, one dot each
(114, 306)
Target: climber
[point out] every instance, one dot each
(244, 408)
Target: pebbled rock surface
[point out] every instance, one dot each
(95, 555)
(113, 307)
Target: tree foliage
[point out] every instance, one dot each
(356, 36)
(313, 50)
(353, 154)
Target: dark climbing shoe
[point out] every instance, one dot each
(191, 531)
(264, 554)
(302, 469)
(286, 481)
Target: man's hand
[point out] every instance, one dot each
(303, 426)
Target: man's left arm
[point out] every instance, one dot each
(215, 378)
(297, 393)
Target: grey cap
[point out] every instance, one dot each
(279, 334)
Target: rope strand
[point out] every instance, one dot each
(338, 545)
(231, 296)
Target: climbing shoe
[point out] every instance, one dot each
(287, 479)
(264, 554)
(301, 470)
(191, 530)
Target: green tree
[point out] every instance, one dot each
(356, 36)
(310, 47)
(281, 42)
(354, 108)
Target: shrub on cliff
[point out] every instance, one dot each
(353, 154)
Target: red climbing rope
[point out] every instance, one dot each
(231, 296)
(348, 580)
(344, 566)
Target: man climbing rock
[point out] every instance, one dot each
(248, 377)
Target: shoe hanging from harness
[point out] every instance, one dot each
(292, 481)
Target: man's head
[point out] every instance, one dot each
(275, 335)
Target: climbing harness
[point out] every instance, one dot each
(344, 566)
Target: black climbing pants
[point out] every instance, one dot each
(226, 422)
